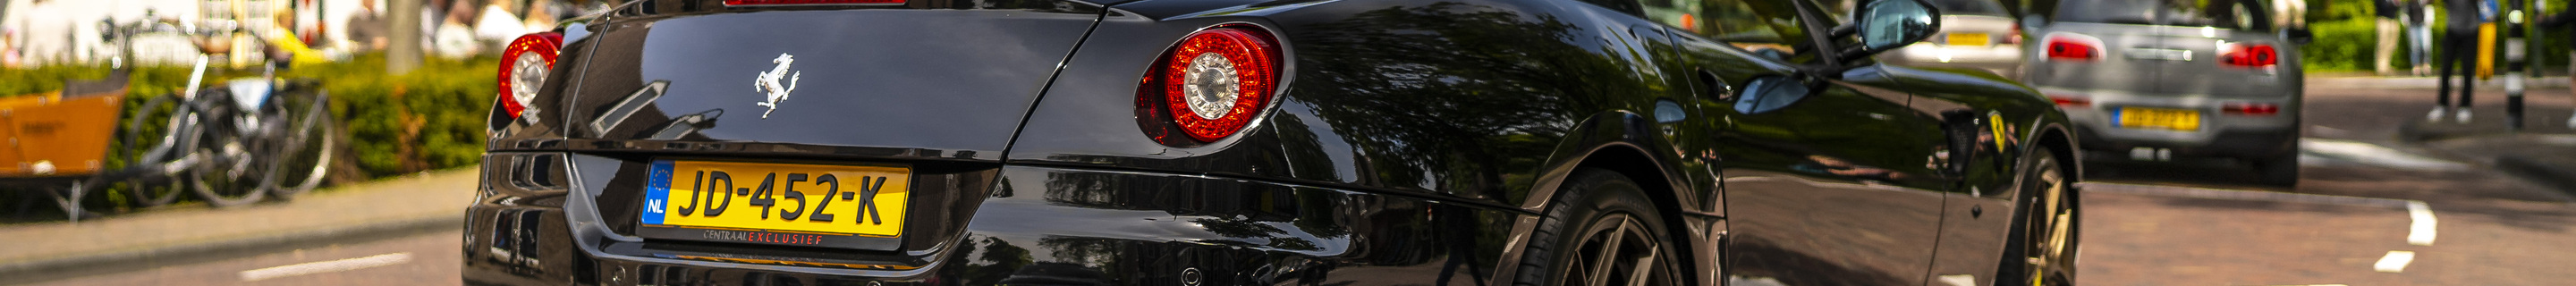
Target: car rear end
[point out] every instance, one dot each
(2147, 78)
(677, 142)
(1974, 34)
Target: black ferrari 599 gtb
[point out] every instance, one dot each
(1242, 142)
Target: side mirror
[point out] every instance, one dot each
(2299, 35)
(1770, 93)
(1890, 24)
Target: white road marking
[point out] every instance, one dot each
(326, 266)
(2421, 233)
(2395, 261)
(2372, 154)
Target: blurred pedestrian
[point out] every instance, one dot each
(2388, 12)
(497, 24)
(2459, 57)
(454, 38)
(2419, 36)
(367, 27)
(2292, 14)
(541, 16)
(9, 48)
(2564, 23)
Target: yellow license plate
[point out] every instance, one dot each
(1968, 39)
(836, 200)
(2159, 118)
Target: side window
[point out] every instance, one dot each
(1760, 26)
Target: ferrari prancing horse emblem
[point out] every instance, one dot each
(768, 82)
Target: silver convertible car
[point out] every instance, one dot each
(2161, 79)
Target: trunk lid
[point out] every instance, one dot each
(2203, 73)
(901, 81)
(2113, 69)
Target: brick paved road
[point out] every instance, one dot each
(2490, 229)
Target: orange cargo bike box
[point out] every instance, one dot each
(58, 135)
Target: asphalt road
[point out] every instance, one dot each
(421, 259)
(2369, 211)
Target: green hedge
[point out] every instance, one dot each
(2343, 46)
(431, 118)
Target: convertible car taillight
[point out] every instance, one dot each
(523, 69)
(2065, 46)
(2248, 55)
(1216, 80)
(2070, 101)
(2251, 109)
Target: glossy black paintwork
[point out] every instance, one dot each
(1031, 224)
(886, 95)
(1413, 140)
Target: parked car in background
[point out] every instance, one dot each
(1255, 142)
(1974, 34)
(2165, 79)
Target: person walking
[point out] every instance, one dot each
(2419, 36)
(2459, 57)
(2389, 29)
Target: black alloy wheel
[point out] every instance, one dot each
(1601, 230)
(2045, 237)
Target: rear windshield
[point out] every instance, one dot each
(2224, 14)
(1970, 7)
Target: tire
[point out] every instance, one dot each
(2047, 223)
(2279, 170)
(306, 151)
(153, 147)
(1595, 219)
(222, 183)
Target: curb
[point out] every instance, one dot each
(2496, 83)
(2558, 177)
(212, 249)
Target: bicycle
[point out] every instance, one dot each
(230, 146)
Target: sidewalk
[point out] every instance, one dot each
(411, 203)
(2548, 159)
(2544, 151)
(2376, 82)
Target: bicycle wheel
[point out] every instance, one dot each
(304, 152)
(229, 176)
(158, 186)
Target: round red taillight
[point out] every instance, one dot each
(1215, 81)
(523, 69)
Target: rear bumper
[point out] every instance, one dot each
(1031, 225)
(2234, 144)
(2219, 134)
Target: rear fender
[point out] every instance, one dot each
(1620, 141)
